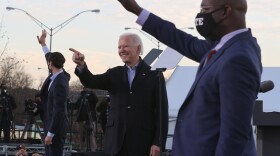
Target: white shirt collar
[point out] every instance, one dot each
(228, 36)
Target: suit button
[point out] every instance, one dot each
(128, 107)
(130, 92)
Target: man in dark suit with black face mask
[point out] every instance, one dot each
(54, 95)
(215, 118)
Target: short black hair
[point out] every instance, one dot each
(57, 59)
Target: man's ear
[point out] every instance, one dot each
(227, 10)
(139, 49)
(49, 63)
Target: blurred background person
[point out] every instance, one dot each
(21, 150)
(86, 117)
(7, 104)
(40, 110)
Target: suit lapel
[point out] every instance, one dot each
(201, 70)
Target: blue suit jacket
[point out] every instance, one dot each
(55, 120)
(54, 100)
(215, 118)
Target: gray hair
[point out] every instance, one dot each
(136, 40)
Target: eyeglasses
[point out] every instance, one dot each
(208, 8)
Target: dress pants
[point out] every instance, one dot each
(56, 148)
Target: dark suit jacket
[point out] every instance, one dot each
(134, 113)
(215, 118)
(55, 120)
(54, 105)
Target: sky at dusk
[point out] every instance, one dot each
(96, 34)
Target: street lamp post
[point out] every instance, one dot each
(59, 27)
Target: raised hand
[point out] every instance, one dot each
(131, 6)
(42, 38)
(155, 150)
(78, 58)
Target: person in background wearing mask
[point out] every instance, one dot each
(86, 104)
(7, 104)
(40, 110)
(215, 118)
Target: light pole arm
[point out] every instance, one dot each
(43, 26)
(63, 24)
(39, 23)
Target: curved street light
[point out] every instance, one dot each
(59, 27)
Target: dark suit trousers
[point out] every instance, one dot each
(56, 148)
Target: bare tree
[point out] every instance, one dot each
(20, 79)
(12, 73)
(11, 68)
(3, 37)
(76, 86)
(42, 79)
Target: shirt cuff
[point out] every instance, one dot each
(142, 18)
(50, 134)
(79, 70)
(45, 49)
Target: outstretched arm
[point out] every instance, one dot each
(131, 6)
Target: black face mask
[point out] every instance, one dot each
(205, 24)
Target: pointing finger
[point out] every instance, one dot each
(74, 50)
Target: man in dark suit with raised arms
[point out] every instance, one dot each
(215, 118)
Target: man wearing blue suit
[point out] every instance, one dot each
(215, 118)
(54, 93)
